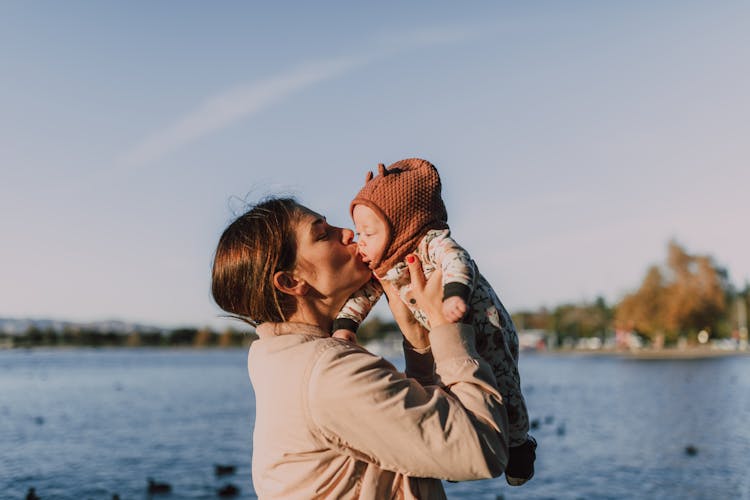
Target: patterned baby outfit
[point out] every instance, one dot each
(496, 337)
(406, 195)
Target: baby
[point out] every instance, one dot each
(400, 212)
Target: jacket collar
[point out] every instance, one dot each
(268, 330)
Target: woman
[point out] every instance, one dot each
(333, 420)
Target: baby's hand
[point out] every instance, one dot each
(454, 308)
(347, 335)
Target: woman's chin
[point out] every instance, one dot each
(363, 276)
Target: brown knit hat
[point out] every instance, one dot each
(406, 196)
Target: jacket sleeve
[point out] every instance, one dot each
(358, 306)
(419, 364)
(459, 271)
(366, 409)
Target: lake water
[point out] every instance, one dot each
(90, 423)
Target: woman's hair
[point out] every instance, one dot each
(251, 250)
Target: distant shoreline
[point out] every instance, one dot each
(648, 354)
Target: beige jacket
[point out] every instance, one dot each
(335, 421)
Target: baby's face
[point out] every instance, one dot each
(372, 233)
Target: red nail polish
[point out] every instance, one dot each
(410, 259)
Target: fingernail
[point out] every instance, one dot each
(410, 259)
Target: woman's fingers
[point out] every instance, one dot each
(415, 272)
(413, 333)
(426, 295)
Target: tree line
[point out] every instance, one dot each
(83, 337)
(686, 294)
(679, 298)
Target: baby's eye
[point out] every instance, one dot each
(324, 235)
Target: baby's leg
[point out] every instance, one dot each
(505, 369)
(497, 343)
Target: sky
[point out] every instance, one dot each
(574, 139)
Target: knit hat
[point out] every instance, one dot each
(406, 195)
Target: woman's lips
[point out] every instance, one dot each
(360, 256)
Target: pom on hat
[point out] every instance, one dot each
(382, 172)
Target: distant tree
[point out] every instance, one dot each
(34, 336)
(582, 320)
(643, 310)
(152, 338)
(534, 320)
(225, 339)
(374, 328)
(235, 338)
(687, 295)
(71, 335)
(182, 336)
(204, 337)
(94, 338)
(697, 296)
(134, 339)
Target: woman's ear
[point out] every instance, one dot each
(288, 284)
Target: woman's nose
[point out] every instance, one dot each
(347, 236)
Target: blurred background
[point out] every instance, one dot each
(574, 139)
(594, 160)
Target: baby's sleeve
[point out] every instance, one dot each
(459, 271)
(358, 306)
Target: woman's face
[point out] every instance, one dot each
(327, 258)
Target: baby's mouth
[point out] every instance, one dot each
(363, 256)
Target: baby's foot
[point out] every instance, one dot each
(521, 462)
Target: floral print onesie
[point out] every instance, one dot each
(496, 337)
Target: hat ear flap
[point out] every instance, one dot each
(368, 177)
(381, 170)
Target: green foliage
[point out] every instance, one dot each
(582, 320)
(685, 295)
(534, 320)
(83, 337)
(375, 328)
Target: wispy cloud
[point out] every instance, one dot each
(228, 107)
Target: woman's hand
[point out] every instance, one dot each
(414, 334)
(426, 295)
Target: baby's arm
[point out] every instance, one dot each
(459, 274)
(356, 309)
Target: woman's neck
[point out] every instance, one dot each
(314, 314)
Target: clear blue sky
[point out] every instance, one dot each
(574, 138)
